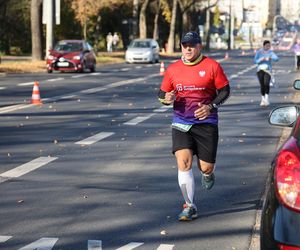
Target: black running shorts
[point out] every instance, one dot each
(202, 139)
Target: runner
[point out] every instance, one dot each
(197, 86)
(263, 58)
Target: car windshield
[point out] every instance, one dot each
(70, 47)
(139, 44)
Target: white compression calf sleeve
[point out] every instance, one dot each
(187, 185)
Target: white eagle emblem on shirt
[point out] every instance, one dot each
(202, 73)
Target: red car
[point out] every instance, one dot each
(71, 55)
(280, 220)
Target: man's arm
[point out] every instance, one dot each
(166, 98)
(222, 95)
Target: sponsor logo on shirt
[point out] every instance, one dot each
(179, 87)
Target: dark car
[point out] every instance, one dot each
(280, 221)
(71, 55)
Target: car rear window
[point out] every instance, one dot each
(69, 47)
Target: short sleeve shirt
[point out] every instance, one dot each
(194, 84)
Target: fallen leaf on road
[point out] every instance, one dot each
(163, 232)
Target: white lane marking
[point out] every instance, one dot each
(93, 90)
(41, 244)
(55, 79)
(165, 247)
(26, 168)
(68, 96)
(4, 238)
(138, 67)
(125, 69)
(92, 139)
(94, 245)
(25, 83)
(116, 84)
(87, 91)
(78, 76)
(2, 87)
(163, 109)
(95, 74)
(137, 120)
(14, 108)
(131, 245)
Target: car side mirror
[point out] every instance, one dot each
(297, 84)
(283, 116)
(153, 47)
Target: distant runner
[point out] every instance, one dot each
(263, 58)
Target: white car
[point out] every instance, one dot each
(142, 50)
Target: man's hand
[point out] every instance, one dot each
(169, 97)
(202, 112)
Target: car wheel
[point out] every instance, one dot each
(49, 71)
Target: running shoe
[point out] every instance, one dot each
(188, 213)
(208, 180)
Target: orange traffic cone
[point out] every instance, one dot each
(36, 99)
(226, 55)
(162, 69)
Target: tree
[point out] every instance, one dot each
(86, 10)
(143, 22)
(171, 39)
(36, 29)
(155, 30)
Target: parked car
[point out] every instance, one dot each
(142, 50)
(71, 55)
(280, 221)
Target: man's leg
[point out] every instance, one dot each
(208, 176)
(186, 183)
(186, 180)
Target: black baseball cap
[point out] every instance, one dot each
(191, 37)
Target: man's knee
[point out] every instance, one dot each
(184, 159)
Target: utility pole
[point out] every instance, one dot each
(48, 16)
(230, 27)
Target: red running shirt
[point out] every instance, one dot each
(194, 84)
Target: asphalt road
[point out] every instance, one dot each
(92, 165)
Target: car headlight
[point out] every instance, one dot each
(76, 57)
(50, 57)
(148, 53)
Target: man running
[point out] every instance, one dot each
(197, 86)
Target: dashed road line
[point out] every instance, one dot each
(25, 84)
(163, 109)
(94, 244)
(165, 247)
(131, 245)
(55, 79)
(95, 138)
(14, 108)
(26, 168)
(78, 76)
(2, 87)
(137, 120)
(4, 238)
(41, 244)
